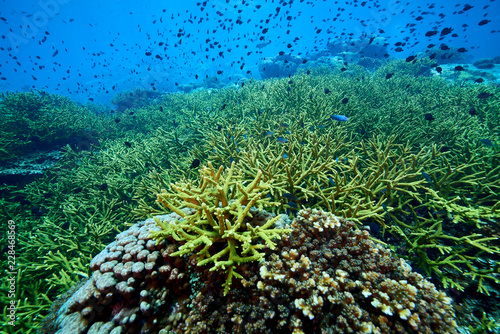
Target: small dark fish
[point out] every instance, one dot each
(330, 180)
(161, 108)
(290, 197)
(128, 144)
(36, 211)
(410, 58)
(428, 117)
(446, 31)
(345, 100)
(444, 149)
(223, 107)
(282, 140)
(439, 69)
(327, 91)
(486, 142)
(483, 95)
(440, 213)
(479, 80)
(431, 33)
(467, 7)
(389, 75)
(483, 22)
(375, 227)
(103, 186)
(472, 111)
(427, 177)
(262, 45)
(195, 163)
(462, 50)
(459, 68)
(340, 118)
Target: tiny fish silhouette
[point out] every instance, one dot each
(340, 118)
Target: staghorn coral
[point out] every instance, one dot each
(221, 204)
(36, 120)
(465, 182)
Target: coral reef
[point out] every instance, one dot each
(279, 66)
(130, 288)
(325, 275)
(222, 223)
(485, 63)
(416, 162)
(134, 99)
(135, 284)
(37, 120)
(364, 46)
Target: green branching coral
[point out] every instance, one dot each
(221, 205)
(30, 119)
(487, 325)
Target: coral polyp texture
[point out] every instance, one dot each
(325, 276)
(219, 229)
(131, 287)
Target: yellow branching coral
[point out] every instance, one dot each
(219, 219)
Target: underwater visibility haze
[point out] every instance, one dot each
(250, 166)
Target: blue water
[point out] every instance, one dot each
(92, 50)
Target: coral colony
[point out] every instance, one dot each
(358, 199)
